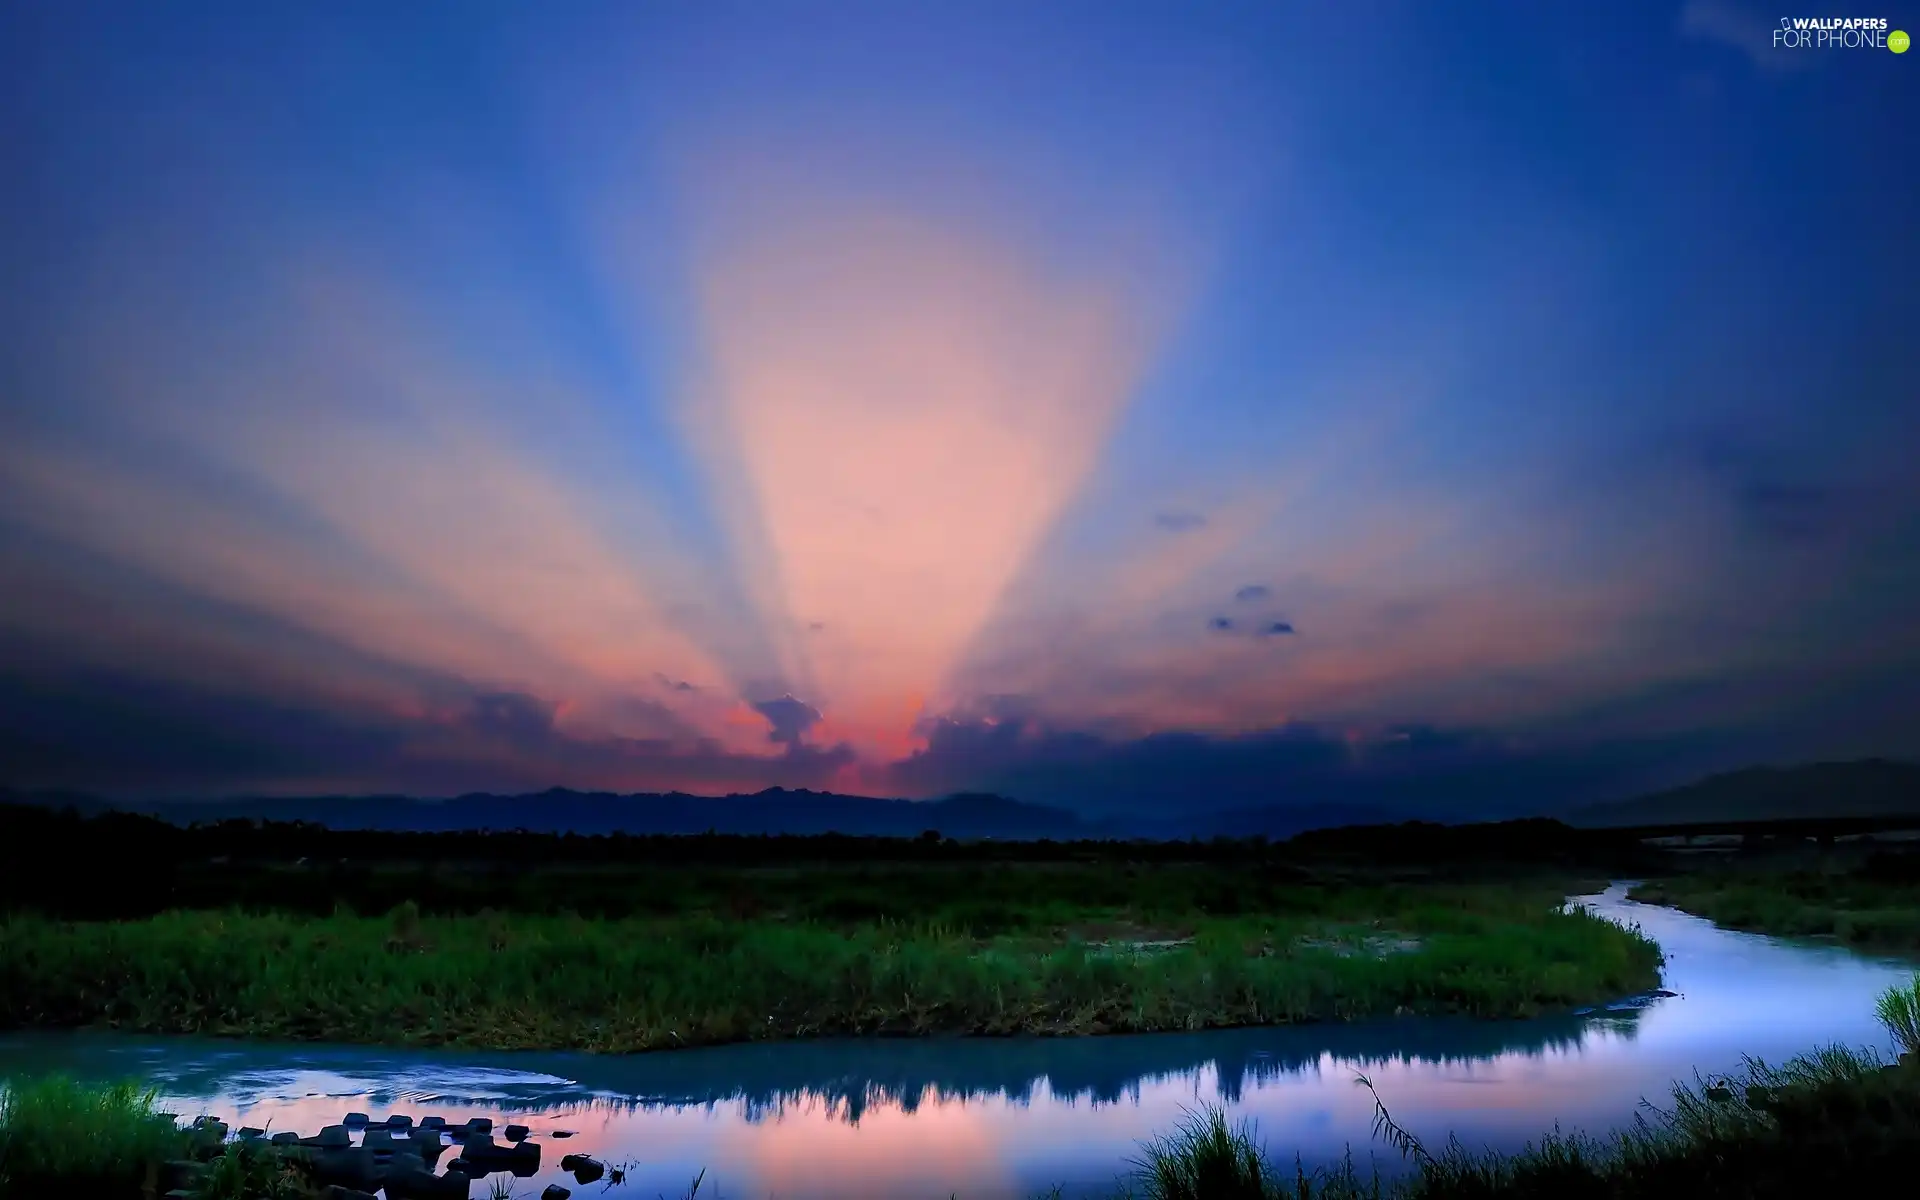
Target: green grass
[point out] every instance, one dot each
(523, 981)
(1848, 907)
(83, 1140)
(253, 1172)
(1205, 1159)
(1899, 1010)
(1833, 1120)
(106, 1142)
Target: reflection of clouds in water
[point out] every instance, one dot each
(917, 1149)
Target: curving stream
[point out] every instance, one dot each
(997, 1118)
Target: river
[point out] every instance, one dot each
(990, 1118)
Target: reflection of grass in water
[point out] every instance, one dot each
(914, 1087)
(905, 1076)
(1835, 1120)
(525, 982)
(850, 1103)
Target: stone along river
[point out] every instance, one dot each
(1015, 1117)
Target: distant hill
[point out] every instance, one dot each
(1872, 787)
(774, 811)
(1277, 822)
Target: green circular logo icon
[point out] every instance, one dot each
(1898, 41)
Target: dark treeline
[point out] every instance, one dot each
(108, 865)
(1532, 839)
(115, 864)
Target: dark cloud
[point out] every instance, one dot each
(790, 719)
(1786, 490)
(817, 763)
(125, 733)
(1410, 771)
(113, 730)
(1252, 592)
(1179, 521)
(1225, 624)
(1797, 512)
(510, 716)
(675, 685)
(816, 626)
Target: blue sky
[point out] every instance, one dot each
(1102, 403)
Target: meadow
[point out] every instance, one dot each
(1869, 903)
(797, 953)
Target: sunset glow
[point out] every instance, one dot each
(663, 401)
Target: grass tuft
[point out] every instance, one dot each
(56, 1133)
(1899, 1010)
(1205, 1159)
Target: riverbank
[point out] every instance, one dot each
(1055, 963)
(1861, 907)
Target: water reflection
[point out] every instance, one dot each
(901, 1118)
(848, 1077)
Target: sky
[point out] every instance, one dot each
(1133, 406)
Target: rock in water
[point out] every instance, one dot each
(555, 1192)
(524, 1160)
(333, 1137)
(181, 1173)
(515, 1133)
(353, 1167)
(521, 1158)
(585, 1170)
(425, 1185)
